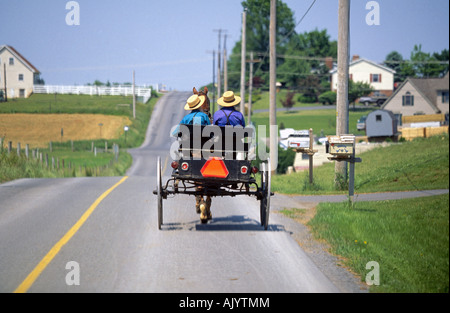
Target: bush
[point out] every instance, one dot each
(285, 159)
(328, 97)
(306, 99)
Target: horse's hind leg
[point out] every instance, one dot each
(198, 202)
(208, 207)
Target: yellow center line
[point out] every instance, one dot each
(31, 278)
(165, 166)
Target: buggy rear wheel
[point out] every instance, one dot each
(159, 193)
(266, 193)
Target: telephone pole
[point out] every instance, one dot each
(214, 82)
(273, 87)
(219, 59)
(342, 83)
(6, 92)
(250, 87)
(134, 96)
(225, 65)
(243, 58)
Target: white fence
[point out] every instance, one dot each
(145, 93)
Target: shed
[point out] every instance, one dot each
(381, 123)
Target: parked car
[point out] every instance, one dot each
(298, 139)
(361, 124)
(378, 98)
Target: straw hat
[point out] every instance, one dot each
(229, 99)
(194, 102)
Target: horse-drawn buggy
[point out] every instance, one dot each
(215, 161)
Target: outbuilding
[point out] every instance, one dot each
(381, 123)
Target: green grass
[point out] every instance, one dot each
(261, 100)
(85, 104)
(321, 121)
(408, 238)
(13, 167)
(417, 165)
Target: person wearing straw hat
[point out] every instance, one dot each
(228, 115)
(196, 116)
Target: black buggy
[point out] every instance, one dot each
(216, 162)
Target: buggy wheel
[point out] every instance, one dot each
(266, 193)
(159, 193)
(262, 205)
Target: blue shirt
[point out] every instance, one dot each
(196, 117)
(234, 117)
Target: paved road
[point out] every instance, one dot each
(107, 229)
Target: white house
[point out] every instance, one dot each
(380, 77)
(21, 75)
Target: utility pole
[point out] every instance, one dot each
(250, 87)
(6, 92)
(212, 110)
(219, 70)
(225, 66)
(273, 87)
(243, 58)
(342, 86)
(134, 96)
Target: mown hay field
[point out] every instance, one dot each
(38, 130)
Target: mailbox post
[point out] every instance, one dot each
(310, 152)
(343, 148)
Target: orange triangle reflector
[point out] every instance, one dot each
(214, 167)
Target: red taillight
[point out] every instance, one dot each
(215, 167)
(244, 170)
(185, 166)
(255, 170)
(174, 164)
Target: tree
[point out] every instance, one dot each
(305, 53)
(289, 102)
(310, 88)
(258, 22)
(357, 90)
(394, 60)
(427, 65)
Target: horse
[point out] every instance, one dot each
(204, 207)
(206, 106)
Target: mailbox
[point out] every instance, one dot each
(341, 146)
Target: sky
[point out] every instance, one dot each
(171, 42)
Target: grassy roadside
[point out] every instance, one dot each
(420, 164)
(409, 239)
(14, 167)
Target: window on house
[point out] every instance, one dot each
(445, 97)
(399, 118)
(21, 77)
(11, 61)
(22, 93)
(375, 78)
(408, 99)
(378, 117)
